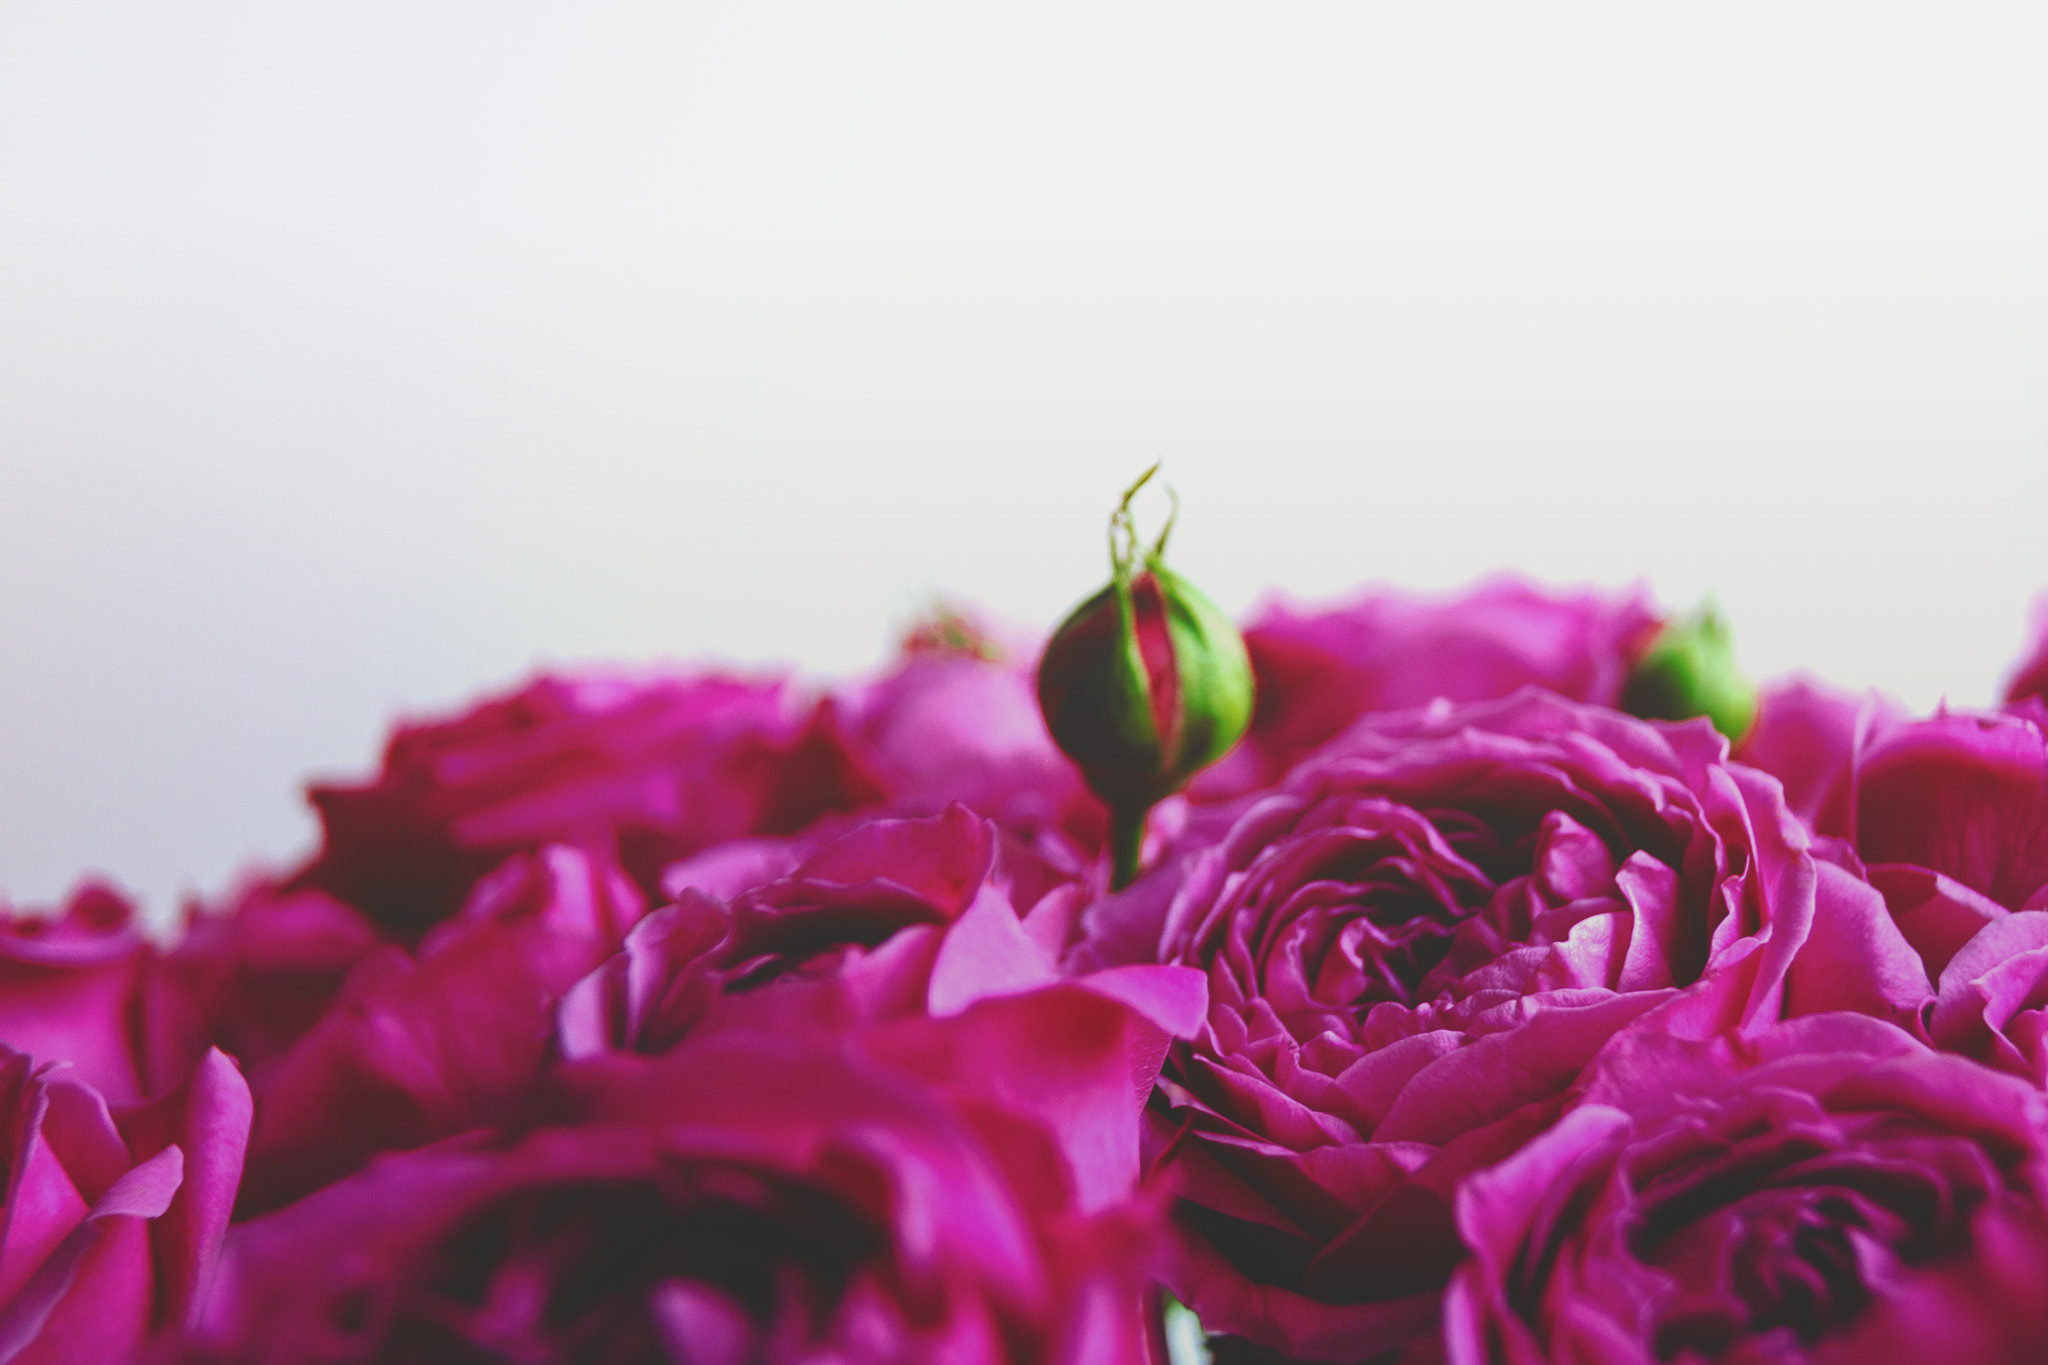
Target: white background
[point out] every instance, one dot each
(356, 358)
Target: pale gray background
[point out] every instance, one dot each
(355, 358)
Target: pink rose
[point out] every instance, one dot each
(931, 1190)
(896, 917)
(1809, 736)
(112, 1220)
(657, 766)
(83, 987)
(423, 1046)
(1828, 1191)
(1946, 816)
(1389, 649)
(939, 728)
(1413, 946)
(254, 977)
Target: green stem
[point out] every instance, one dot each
(1126, 844)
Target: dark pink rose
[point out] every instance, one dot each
(895, 917)
(940, 728)
(1993, 997)
(420, 1047)
(1413, 946)
(254, 976)
(2030, 676)
(1318, 670)
(1962, 795)
(83, 986)
(1809, 736)
(929, 1191)
(657, 766)
(112, 1220)
(1828, 1191)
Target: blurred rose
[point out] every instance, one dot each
(931, 1191)
(657, 766)
(1808, 735)
(1317, 671)
(942, 727)
(423, 1047)
(896, 917)
(110, 1227)
(1830, 1191)
(254, 976)
(83, 986)
(1413, 946)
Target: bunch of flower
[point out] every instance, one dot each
(1484, 978)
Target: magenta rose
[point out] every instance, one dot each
(254, 976)
(893, 917)
(1389, 649)
(1413, 945)
(112, 1220)
(1809, 736)
(945, 727)
(928, 1191)
(1950, 815)
(1828, 1191)
(658, 767)
(84, 986)
(423, 1046)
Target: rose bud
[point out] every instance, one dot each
(1144, 684)
(1689, 670)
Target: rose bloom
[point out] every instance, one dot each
(111, 1220)
(1948, 818)
(1318, 670)
(84, 986)
(421, 1046)
(1807, 735)
(254, 974)
(892, 916)
(1827, 1191)
(657, 766)
(931, 1190)
(1952, 815)
(947, 726)
(1413, 946)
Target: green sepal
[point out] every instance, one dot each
(1689, 670)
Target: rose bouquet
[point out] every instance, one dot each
(1494, 977)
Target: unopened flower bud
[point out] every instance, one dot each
(1146, 683)
(1689, 670)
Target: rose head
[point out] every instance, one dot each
(1318, 670)
(1962, 795)
(110, 1221)
(1829, 1191)
(422, 1046)
(942, 727)
(1412, 945)
(1145, 683)
(69, 984)
(658, 767)
(1809, 736)
(885, 1198)
(895, 919)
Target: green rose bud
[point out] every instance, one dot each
(1689, 670)
(1144, 684)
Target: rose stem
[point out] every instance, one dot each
(1126, 843)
